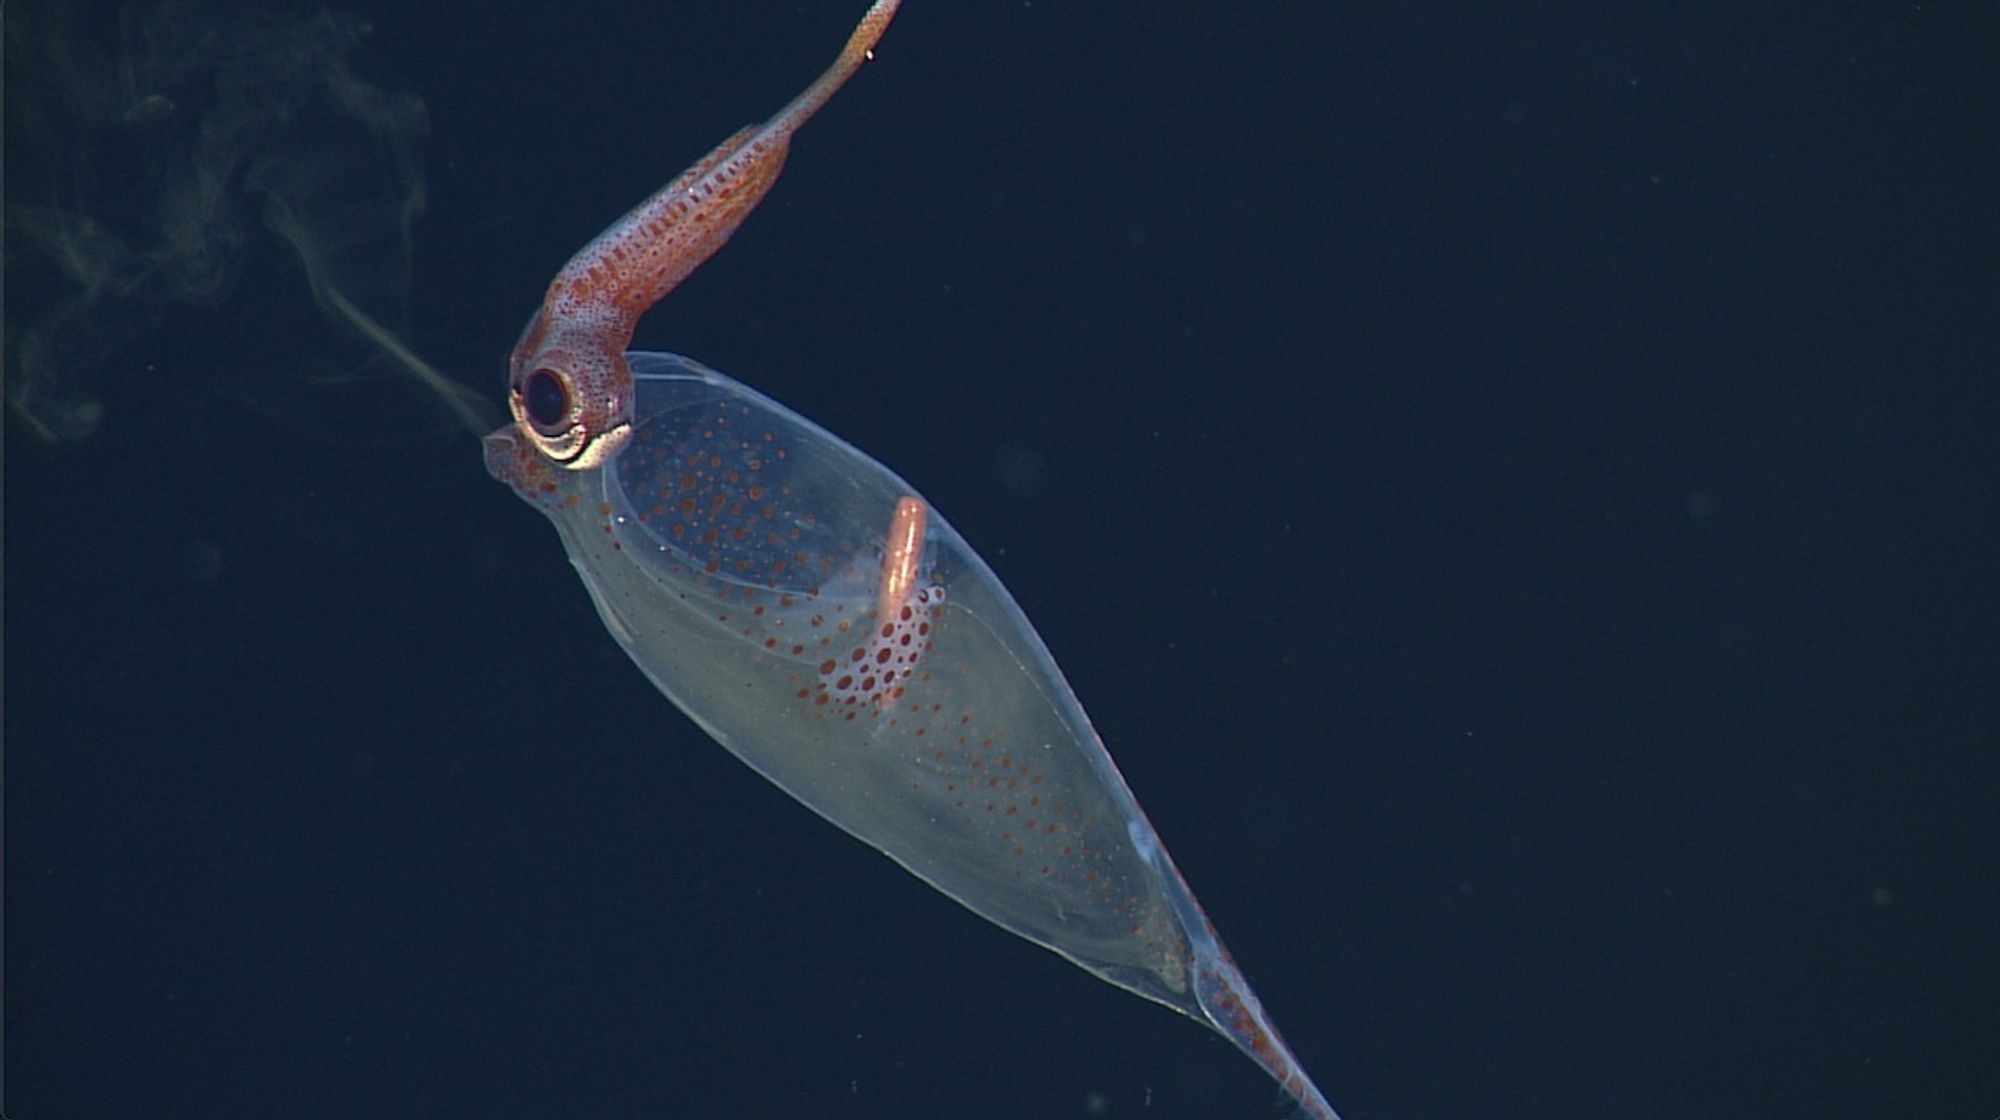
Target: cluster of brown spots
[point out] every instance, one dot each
(1046, 836)
(706, 496)
(873, 676)
(1011, 793)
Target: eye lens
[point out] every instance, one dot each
(546, 398)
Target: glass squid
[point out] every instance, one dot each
(821, 620)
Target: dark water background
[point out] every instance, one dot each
(1514, 484)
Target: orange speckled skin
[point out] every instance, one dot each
(579, 335)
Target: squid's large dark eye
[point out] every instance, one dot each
(546, 398)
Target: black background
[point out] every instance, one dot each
(1514, 484)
